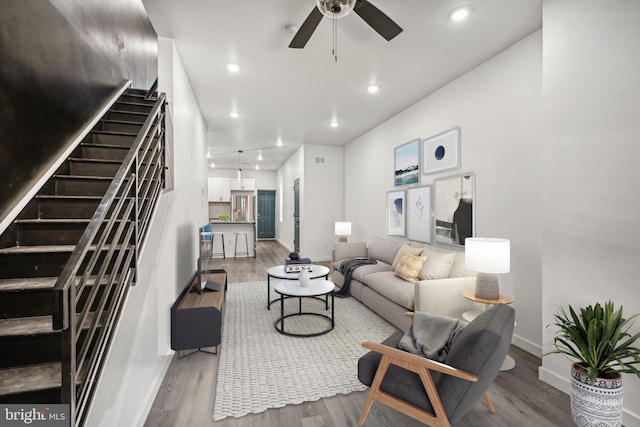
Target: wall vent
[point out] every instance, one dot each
(320, 160)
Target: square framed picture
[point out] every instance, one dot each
(419, 214)
(396, 218)
(441, 152)
(454, 213)
(406, 163)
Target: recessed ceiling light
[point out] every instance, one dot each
(279, 143)
(334, 123)
(257, 167)
(232, 67)
(234, 114)
(372, 88)
(260, 157)
(459, 14)
(212, 165)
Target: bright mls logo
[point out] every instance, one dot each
(34, 415)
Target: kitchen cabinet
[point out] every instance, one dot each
(247, 184)
(219, 190)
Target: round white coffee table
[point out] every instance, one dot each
(278, 272)
(315, 289)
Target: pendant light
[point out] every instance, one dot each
(239, 168)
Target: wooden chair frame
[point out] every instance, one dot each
(421, 366)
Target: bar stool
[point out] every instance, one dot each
(246, 243)
(213, 244)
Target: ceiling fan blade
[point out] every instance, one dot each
(377, 20)
(306, 30)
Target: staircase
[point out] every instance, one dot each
(73, 249)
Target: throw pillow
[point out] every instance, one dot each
(409, 267)
(438, 265)
(405, 249)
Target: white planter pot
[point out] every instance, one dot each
(303, 277)
(598, 404)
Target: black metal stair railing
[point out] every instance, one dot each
(89, 294)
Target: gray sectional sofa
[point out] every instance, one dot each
(439, 289)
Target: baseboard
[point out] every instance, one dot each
(286, 246)
(629, 419)
(151, 397)
(526, 345)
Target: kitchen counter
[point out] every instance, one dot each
(229, 228)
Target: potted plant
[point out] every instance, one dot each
(599, 341)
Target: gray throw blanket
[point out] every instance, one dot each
(431, 335)
(346, 268)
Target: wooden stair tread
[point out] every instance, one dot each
(36, 325)
(27, 283)
(137, 113)
(30, 378)
(121, 122)
(85, 177)
(43, 249)
(113, 132)
(80, 159)
(101, 145)
(53, 196)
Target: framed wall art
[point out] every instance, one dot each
(419, 214)
(454, 198)
(396, 213)
(441, 152)
(406, 163)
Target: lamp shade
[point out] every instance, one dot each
(487, 255)
(343, 228)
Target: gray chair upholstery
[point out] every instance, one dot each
(479, 349)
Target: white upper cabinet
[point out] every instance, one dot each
(219, 190)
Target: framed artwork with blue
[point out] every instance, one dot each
(406, 165)
(441, 152)
(396, 216)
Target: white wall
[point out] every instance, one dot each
(293, 168)
(591, 228)
(324, 200)
(140, 352)
(498, 108)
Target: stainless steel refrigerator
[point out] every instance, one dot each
(243, 208)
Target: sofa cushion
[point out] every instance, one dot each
(364, 270)
(406, 249)
(384, 250)
(390, 286)
(344, 250)
(438, 265)
(409, 267)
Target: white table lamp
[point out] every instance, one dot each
(488, 257)
(343, 229)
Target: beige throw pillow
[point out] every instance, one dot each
(405, 249)
(438, 265)
(409, 267)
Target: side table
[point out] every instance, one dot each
(508, 363)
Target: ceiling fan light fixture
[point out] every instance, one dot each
(335, 8)
(459, 14)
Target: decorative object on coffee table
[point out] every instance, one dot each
(303, 277)
(280, 272)
(598, 339)
(488, 257)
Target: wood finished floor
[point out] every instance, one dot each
(187, 393)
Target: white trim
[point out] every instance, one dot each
(526, 345)
(6, 221)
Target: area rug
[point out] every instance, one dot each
(260, 369)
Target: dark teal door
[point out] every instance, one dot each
(296, 215)
(266, 214)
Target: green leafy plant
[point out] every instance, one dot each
(599, 339)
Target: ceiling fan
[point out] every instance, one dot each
(340, 8)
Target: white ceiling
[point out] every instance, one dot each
(293, 94)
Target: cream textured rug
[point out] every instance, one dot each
(260, 369)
